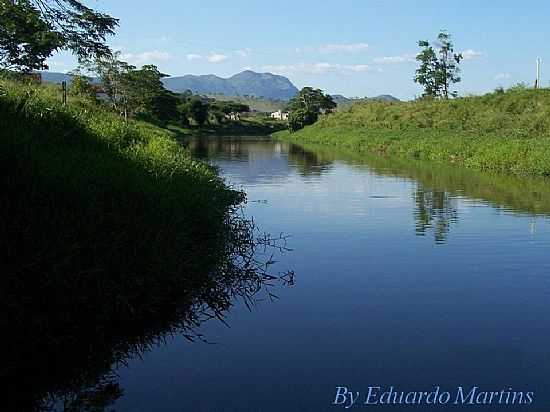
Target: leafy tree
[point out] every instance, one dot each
(81, 86)
(111, 72)
(142, 89)
(439, 67)
(26, 40)
(164, 106)
(198, 110)
(31, 30)
(306, 106)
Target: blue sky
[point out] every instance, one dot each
(351, 47)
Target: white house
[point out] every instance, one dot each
(279, 115)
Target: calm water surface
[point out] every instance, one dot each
(407, 275)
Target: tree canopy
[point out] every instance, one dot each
(439, 67)
(31, 30)
(306, 106)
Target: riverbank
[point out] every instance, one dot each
(248, 126)
(105, 227)
(505, 131)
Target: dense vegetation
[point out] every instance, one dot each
(32, 30)
(505, 131)
(104, 224)
(306, 107)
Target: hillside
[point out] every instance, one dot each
(247, 83)
(504, 131)
(345, 102)
(255, 103)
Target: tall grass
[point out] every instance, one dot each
(505, 131)
(103, 226)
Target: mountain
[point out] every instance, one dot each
(264, 85)
(52, 77)
(386, 98)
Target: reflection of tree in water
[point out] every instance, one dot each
(435, 210)
(307, 162)
(71, 366)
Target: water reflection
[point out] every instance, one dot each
(438, 189)
(61, 359)
(411, 274)
(435, 210)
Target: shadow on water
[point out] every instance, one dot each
(61, 359)
(439, 188)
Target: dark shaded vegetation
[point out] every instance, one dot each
(111, 236)
(505, 131)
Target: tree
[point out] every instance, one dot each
(111, 72)
(26, 40)
(306, 106)
(198, 110)
(31, 30)
(439, 69)
(142, 89)
(81, 86)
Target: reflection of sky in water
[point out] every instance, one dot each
(374, 303)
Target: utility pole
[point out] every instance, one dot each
(537, 81)
(64, 89)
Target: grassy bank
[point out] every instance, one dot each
(104, 227)
(506, 131)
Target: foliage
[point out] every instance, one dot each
(502, 132)
(31, 30)
(26, 40)
(439, 69)
(306, 106)
(115, 219)
(81, 86)
(135, 92)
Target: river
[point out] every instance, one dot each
(407, 275)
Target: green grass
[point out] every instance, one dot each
(502, 131)
(104, 226)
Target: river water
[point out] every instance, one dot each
(407, 275)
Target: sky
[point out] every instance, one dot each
(352, 47)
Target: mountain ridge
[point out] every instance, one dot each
(248, 82)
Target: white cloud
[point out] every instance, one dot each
(502, 76)
(317, 68)
(470, 54)
(243, 52)
(403, 58)
(343, 48)
(149, 57)
(193, 56)
(217, 58)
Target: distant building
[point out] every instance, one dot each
(233, 116)
(279, 115)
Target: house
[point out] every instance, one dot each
(279, 115)
(233, 116)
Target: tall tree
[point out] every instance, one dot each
(111, 72)
(26, 40)
(31, 30)
(439, 67)
(306, 106)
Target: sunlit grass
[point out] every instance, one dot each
(501, 131)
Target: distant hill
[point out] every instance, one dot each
(247, 83)
(255, 103)
(53, 77)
